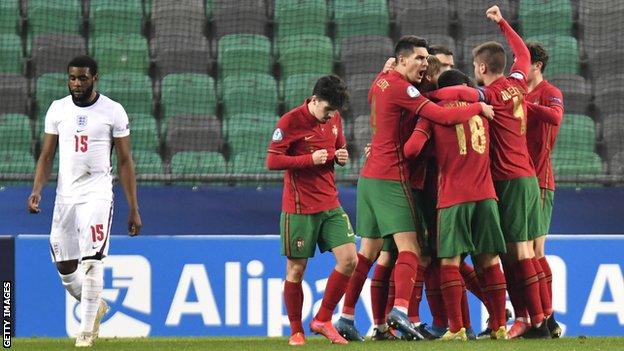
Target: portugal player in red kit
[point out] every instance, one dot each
(307, 142)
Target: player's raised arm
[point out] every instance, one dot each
(520, 51)
(43, 170)
(128, 183)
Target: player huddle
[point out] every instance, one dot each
(448, 173)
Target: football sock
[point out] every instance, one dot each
(379, 293)
(495, 289)
(91, 293)
(472, 281)
(451, 285)
(405, 275)
(413, 312)
(293, 298)
(548, 278)
(528, 280)
(335, 288)
(465, 308)
(391, 293)
(434, 296)
(73, 282)
(354, 288)
(516, 293)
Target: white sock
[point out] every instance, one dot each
(347, 316)
(73, 282)
(382, 327)
(401, 308)
(91, 293)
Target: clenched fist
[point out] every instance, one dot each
(319, 157)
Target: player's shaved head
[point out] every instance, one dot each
(332, 89)
(538, 54)
(492, 54)
(406, 45)
(84, 61)
(453, 77)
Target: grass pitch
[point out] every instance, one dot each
(317, 343)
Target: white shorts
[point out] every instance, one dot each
(80, 230)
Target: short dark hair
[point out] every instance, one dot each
(434, 65)
(453, 77)
(493, 55)
(538, 53)
(332, 89)
(84, 61)
(440, 49)
(406, 45)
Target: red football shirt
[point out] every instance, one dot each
(309, 189)
(542, 128)
(462, 153)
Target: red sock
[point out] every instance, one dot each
(391, 295)
(528, 280)
(293, 298)
(472, 281)
(434, 296)
(413, 312)
(379, 293)
(335, 288)
(543, 288)
(406, 267)
(464, 308)
(452, 294)
(495, 288)
(354, 288)
(516, 294)
(548, 277)
(487, 301)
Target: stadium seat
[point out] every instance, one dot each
(429, 16)
(52, 52)
(49, 87)
(178, 18)
(11, 54)
(9, 16)
(115, 17)
(198, 162)
(143, 132)
(14, 94)
(475, 40)
(15, 133)
(576, 134)
(238, 17)
(298, 87)
(46, 17)
(16, 162)
(471, 18)
(577, 163)
(120, 52)
(563, 51)
(608, 82)
(362, 134)
(576, 92)
(616, 164)
(605, 62)
(239, 53)
(613, 134)
(365, 54)
(181, 54)
(249, 163)
(249, 135)
(609, 100)
(145, 163)
(189, 94)
(360, 17)
(300, 17)
(601, 25)
(193, 133)
(444, 40)
(545, 17)
(359, 85)
(132, 90)
(249, 93)
(305, 54)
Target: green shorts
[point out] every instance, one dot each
(547, 199)
(519, 208)
(426, 239)
(299, 233)
(384, 207)
(470, 228)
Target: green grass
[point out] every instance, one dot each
(315, 343)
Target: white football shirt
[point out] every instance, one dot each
(85, 136)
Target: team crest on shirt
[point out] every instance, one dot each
(335, 130)
(278, 135)
(300, 243)
(81, 122)
(413, 92)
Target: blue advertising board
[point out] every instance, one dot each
(232, 285)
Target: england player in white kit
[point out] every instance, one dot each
(85, 124)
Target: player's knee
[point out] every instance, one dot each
(67, 267)
(294, 272)
(348, 263)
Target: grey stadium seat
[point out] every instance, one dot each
(606, 62)
(194, 133)
(429, 16)
(181, 53)
(609, 101)
(362, 133)
(359, 85)
(472, 20)
(185, 17)
(238, 17)
(444, 40)
(14, 94)
(594, 17)
(613, 134)
(51, 52)
(576, 92)
(616, 164)
(365, 54)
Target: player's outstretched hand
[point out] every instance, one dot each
(33, 203)
(342, 156)
(367, 150)
(494, 14)
(487, 110)
(319, 157)
(134, 223)
(389, 65)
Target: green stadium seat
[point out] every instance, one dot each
(360, 17)
(50, 87)
(116, 17)
(143, 132)
(15, 132)
(198, 162)
(576, 134)
(120, 52)
(574, 163)
(190, 94)
(10, 53)
(248, 133)
(145, 162)
(249, 93)
(244, 53)
(298, 87)
(563, 51)
(9, 16)
(305, 54)
(17, 161)
(541, 17)
(46, 17)
(132, 90)
(300, 17)
(249, 163)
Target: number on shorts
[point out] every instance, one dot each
(97, 232)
